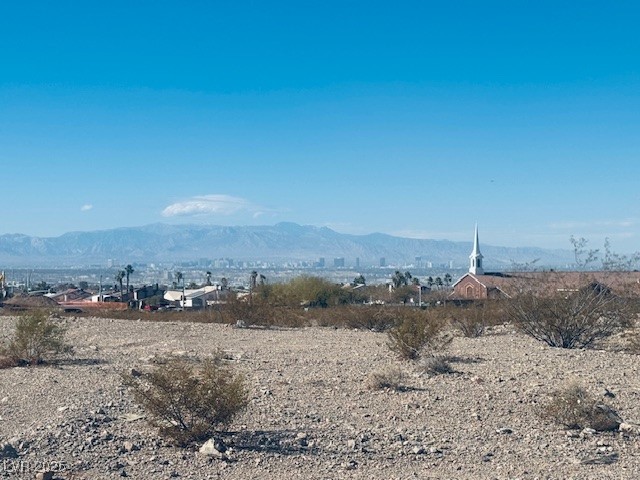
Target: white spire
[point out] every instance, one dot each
(475, 259)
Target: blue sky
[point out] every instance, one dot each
(409, 118)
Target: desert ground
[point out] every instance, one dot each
(312, 414)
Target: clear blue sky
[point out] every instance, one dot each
(412, 118)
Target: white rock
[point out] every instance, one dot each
(209, 448)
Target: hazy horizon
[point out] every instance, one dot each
(413, 119)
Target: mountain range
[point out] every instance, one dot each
(277, 243)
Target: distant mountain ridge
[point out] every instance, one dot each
(281, 242)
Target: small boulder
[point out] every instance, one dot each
(604, 418)
(214, 448)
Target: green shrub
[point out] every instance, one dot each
(419, 330)
(189, 402)
(37, 339)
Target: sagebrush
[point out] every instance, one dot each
(189, 401)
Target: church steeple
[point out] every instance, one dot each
(475, 259)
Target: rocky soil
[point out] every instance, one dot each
(312, 414)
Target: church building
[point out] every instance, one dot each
(477, 284)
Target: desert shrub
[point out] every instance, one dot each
(419, 330)
(370, 317)
(189, 402)
(249, 311)
(390, 378)
(377, 318)
(574, 408)
(470, 321)
(436, 365)
(574, 319)
(306, 291)
(36, 339)
(7, 361)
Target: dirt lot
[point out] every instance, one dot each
(312, 414)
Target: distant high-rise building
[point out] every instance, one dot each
(357, 262)
(319, 263)
(418, 262)
(383, 262)
(338, 262)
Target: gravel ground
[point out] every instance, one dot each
(311, 414)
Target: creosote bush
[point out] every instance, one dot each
(470, 321)
(574, 408)
(419, 331)
(473, 320)
(573, 319)
(187, 401)
(36, 339)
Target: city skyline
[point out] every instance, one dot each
(416, 119)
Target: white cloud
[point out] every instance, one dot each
(212, 205)
(86, 207)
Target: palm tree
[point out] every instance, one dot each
(119, 277)
(180, 277)
(128, 270)
(398, 279)
(447, 279)
(438, 282)
(407, 277)
(252, 285)
(208, 274)
(429, 281)
(224, 283)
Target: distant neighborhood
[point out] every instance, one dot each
(196, 288)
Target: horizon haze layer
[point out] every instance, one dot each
(283, 242)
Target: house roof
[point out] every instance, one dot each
(69, 295)
(176, 295)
